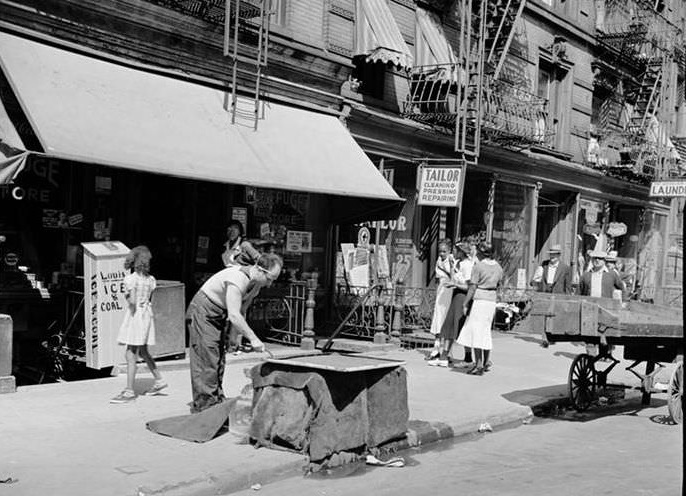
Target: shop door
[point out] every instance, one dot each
(555, 224)
(162, 221)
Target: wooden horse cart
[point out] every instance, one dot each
(648, 333)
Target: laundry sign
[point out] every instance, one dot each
(668, 189)
(439, 186)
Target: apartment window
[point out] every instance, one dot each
(371, 76)
(553, 85)
(547, 89)
(278, 12)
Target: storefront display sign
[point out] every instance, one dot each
(616, 229)
(439, 186)
(102, 229)
(591, 210)
(104, 302)
(591, 229)
(299, 242)
(382, 267)
(103, 184)
(363, 236)
(359, 274)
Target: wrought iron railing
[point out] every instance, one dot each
(281, 319)
(386, 309)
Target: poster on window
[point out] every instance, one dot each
(299, 242)
(202, 252)
(439, 186)
(241, 215)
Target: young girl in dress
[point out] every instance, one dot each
(138, 329)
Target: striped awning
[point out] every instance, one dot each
(431, 43)
(12, 151)
(378, 36)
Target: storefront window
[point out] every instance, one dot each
(512, 230)
(650, 255)
(674, 254)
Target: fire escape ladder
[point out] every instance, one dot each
(648, 99)
(470, 93)
(246, 42)
(502, 16)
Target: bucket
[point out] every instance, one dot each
(240, 415)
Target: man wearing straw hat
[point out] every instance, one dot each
(599, 281)
(553, 276)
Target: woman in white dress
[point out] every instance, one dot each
(444, 292)
(485, 278)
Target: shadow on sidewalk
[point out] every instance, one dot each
(538, 396)
(552, 402)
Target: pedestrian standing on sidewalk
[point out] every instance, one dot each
(232, 247)
(461, 272)
(224, 298)
(138, 328)
(444, 293)
(476, 333)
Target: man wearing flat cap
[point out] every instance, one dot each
(553, 276)
(599, 281)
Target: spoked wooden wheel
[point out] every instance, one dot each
(676, 394)
(582, 382)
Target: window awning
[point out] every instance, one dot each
(378, 36)
(431, 44)
(94, 111)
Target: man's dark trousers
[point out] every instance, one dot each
(206, 324)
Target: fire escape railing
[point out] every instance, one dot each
(515, 117)
(638, 37)
(510, 115)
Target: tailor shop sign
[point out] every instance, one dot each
(439, 186)
(104, 302)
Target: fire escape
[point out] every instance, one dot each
(638, 38)
(468, 97)
(246, 40)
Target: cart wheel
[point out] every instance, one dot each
(676, 394)
(582, 382)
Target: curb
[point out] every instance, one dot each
(226, 482)
(420, 433)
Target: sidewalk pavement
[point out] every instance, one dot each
(67, 439)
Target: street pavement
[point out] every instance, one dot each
(67, 439)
